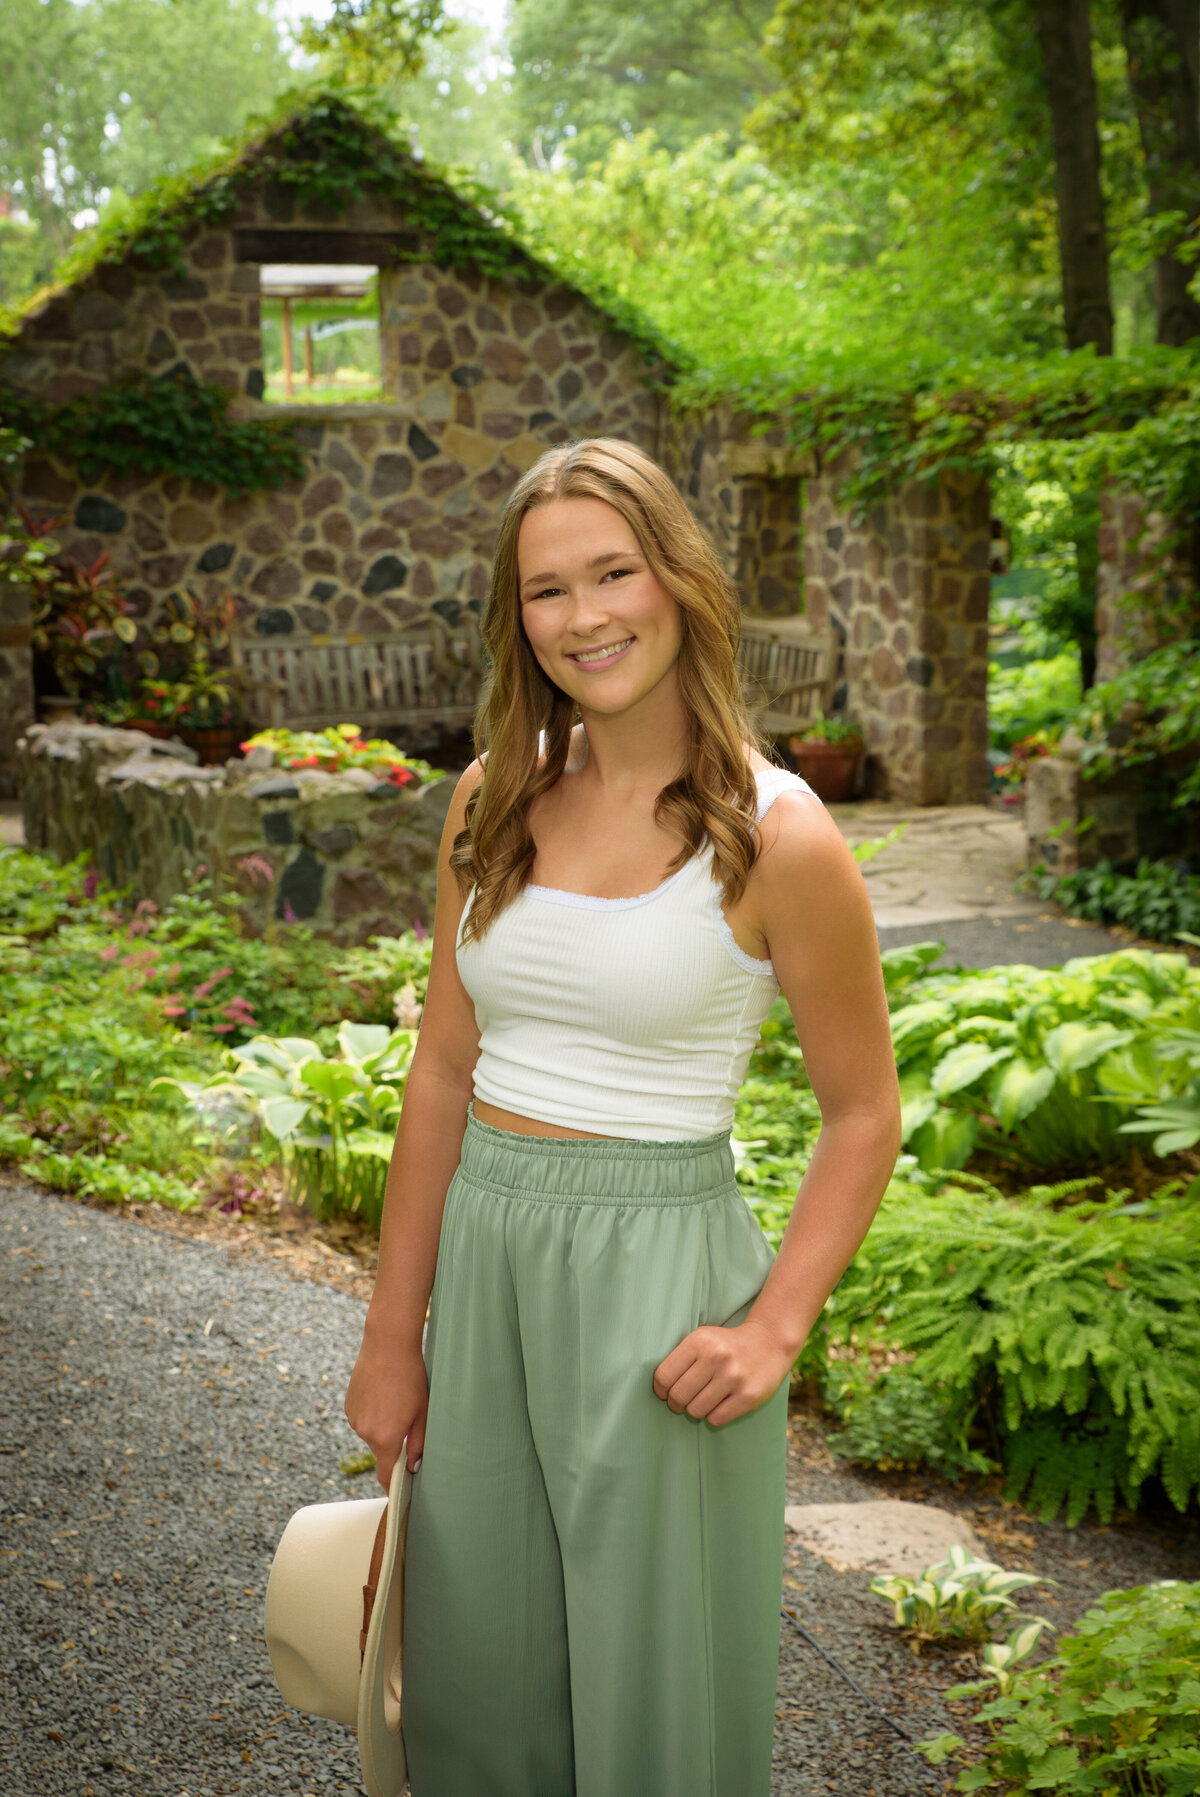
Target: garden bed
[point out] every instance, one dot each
(348, 852)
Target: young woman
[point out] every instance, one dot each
(598, 1417)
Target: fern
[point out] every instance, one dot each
(1076, 1331)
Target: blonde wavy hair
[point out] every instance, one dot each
(716, 796)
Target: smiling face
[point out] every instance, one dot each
(601, 624)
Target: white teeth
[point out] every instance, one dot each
(603, 654)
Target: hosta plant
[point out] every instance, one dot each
(958, 1599)
(1114, 1713)
(1034, 1064)
(334, 1118)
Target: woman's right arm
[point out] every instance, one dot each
(388, 1394)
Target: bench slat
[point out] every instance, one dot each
(787, 667)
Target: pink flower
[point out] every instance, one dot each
(203, 990)
(289, 916)
(173, 1008)
(109, 953)
(91, 881)
(221, 1029)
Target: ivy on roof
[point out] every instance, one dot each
(1133, 420)
(329, 154)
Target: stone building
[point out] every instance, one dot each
(488, 356)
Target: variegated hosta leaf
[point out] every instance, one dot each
(964, 1065)
(1017, 1089)
(1073, 1046)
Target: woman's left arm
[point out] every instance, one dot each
(816, 917)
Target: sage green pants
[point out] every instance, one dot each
(592, 1582)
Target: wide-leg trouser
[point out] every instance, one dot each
(592, 1582)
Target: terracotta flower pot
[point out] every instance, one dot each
(149, 727)
(829, 768)
(213, 746)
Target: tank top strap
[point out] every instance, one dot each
(771, 781)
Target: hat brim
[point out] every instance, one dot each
(380, 1742)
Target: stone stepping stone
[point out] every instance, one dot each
(882, 1535)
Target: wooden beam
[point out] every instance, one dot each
(288, 370)
(378, 249)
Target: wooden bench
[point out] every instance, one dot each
(788, 668)
(429, 673)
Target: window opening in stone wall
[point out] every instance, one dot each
(320, 333)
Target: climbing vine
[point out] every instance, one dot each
(138, 425)
(1136, 419)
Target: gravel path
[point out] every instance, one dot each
(168, 1404)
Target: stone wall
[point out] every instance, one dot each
(16, 682)
(398, 510)
(1143, 597)
(1072, 822)
(396, 514)
(907, 592)
(349, 855)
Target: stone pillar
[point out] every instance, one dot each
(907, 588)
(1145, 592)
(16, 682)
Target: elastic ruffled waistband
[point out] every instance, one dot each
(576, 1170)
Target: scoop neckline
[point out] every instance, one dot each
(559, 895)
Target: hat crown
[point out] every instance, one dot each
(314, 1608)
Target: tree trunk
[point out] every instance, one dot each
(1162, 48)
(1064, 32)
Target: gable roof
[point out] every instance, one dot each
(327, 154)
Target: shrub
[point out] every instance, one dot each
(1161, 899)
(1115, 1712)
(1072, 1334)
(333, 1118)
(1032, 1064)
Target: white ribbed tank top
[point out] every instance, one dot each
(629, 1017)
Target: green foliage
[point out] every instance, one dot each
(1159, 899)
(365, 42)
(342, 746)
(333, 1117)
(327, 152)
(92, 1176)
(112, 94)
(1026, 1063)
(1034, 698)
(138, 425)
(102, 999)
(588, 72)
(1149, 712)
(832, 730)
(1114, 1712)
(1072, 1330)
(958, 1599)
(893, 1419)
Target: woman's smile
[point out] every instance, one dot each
(603, 657)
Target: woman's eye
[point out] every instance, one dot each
(617, 573)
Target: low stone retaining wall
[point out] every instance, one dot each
(1071, 822)
(345, 853)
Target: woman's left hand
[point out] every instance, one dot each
(721, 1373)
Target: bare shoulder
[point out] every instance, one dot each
(456, 811)
(805, 866)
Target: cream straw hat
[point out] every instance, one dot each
(335, 1608)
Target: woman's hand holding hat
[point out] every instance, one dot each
(386, 1403)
